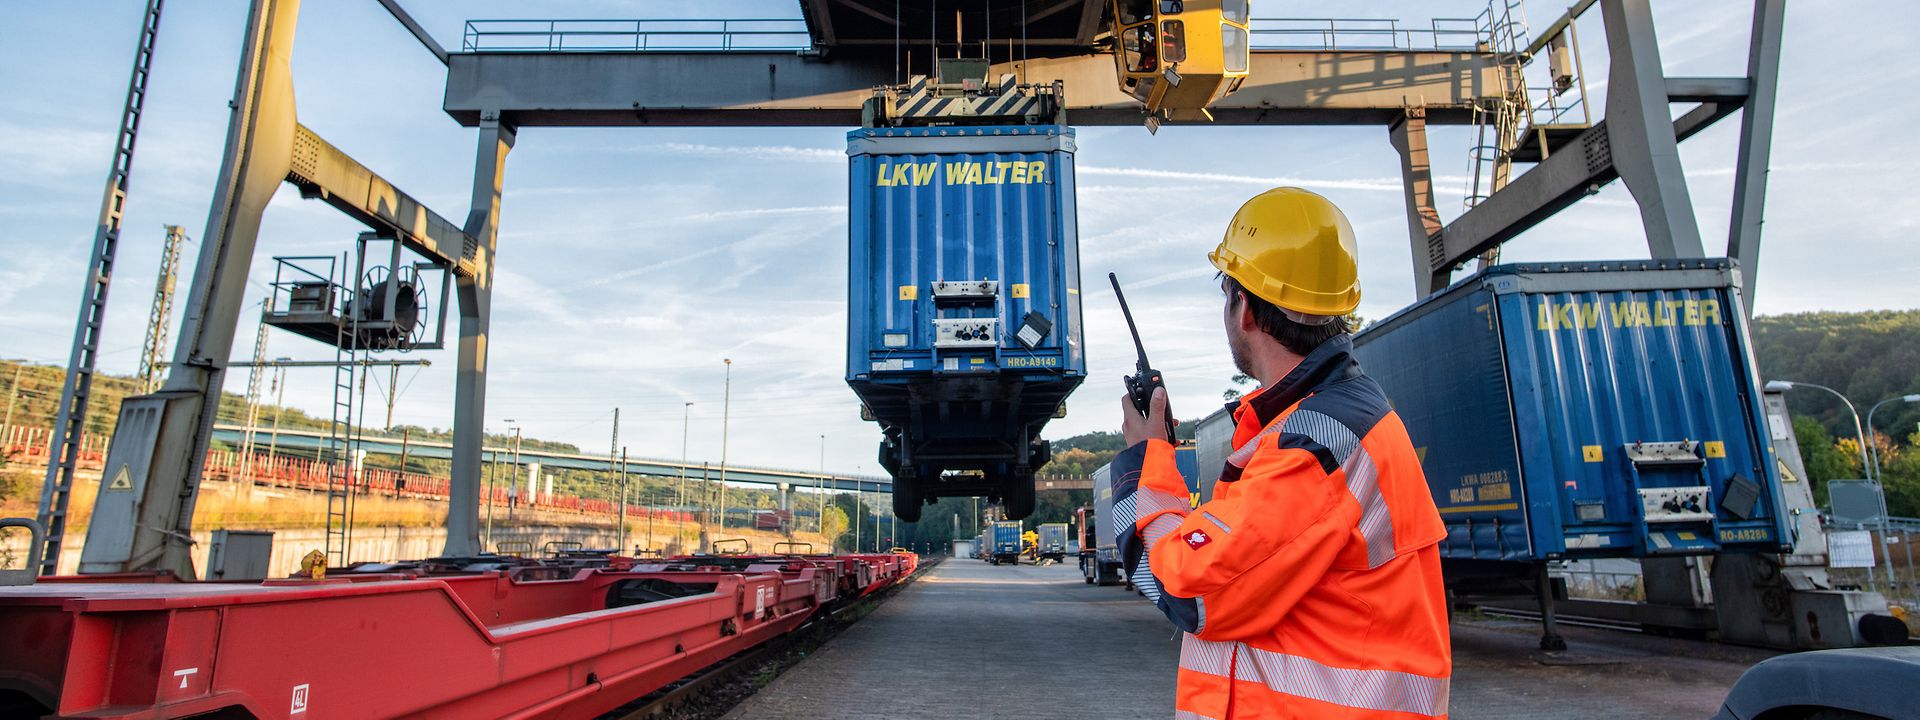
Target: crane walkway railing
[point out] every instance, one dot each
(1369, 34)
(739, 35)
(790, 34)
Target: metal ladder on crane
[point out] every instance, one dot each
(77, 390)
(341, 442)
(243, 485)
(1499, 121)
(153, 350)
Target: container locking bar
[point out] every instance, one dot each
(1655, 454)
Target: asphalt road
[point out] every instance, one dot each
(973, 641)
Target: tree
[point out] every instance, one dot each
(833, 523)
(1900, 472)
(1823, 459)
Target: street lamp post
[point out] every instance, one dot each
(491, 462)
(1885, 521)
(686, 417)
(1876, 408)
(726, 411)
(819, 484)
(1867, 469)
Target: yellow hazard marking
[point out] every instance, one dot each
(1021, 290)
(1686, 536)
(1786, 475)
(1073, 291)
(1716, 449)
(1420, 454)
(1478, 508)
(909, 292)
(122, 480)
(1592, 453)
(978, 361)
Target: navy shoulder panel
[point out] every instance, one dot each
(1356, 403)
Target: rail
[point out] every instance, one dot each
(659, 35)
(790, 35)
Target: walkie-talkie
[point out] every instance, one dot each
(1141, 384)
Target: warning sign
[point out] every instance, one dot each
(122, 480)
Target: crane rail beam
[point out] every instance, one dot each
(786, 89)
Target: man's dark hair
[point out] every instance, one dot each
(1297, 338)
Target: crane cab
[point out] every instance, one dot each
(1179, 56)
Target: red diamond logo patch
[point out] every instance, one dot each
(1197, 539)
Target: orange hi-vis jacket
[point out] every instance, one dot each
(1309, 586)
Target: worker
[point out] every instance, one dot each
(1309, 586)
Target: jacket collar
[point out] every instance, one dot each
(1329, 363)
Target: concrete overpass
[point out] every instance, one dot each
(310, 442)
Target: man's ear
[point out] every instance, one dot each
(1243, 313)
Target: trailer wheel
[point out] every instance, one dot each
(906, 498)
(1019, 494)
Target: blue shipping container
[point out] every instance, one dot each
(1606, 409)
(1003, 538)
(963, 303)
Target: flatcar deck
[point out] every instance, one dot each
(975, 641)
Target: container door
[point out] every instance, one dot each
(1639, 411)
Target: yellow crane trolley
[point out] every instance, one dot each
(1180, 56)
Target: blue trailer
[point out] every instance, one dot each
(1003, 542)
(964, 333)
(1102, 567)
(1583, 410)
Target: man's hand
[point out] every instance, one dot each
(1137, 428)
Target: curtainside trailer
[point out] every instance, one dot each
(963, 304)
(1584, 410)
(1053, 542)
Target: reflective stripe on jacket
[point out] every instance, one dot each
(1309, 586)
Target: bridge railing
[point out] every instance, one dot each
(740, 35)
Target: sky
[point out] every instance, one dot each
(633, 261)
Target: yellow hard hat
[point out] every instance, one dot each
(1293, 248)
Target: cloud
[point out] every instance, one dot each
(52, 151)
(755, 152)
(1361, 184)
(764, 212)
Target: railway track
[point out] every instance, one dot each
(1561, 618)
(716, 689)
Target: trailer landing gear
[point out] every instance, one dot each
(1550, 638)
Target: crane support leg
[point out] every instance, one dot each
(1430, 271)
(144, 512)
(1640, 131)
(1756, 143)
(475, 293)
